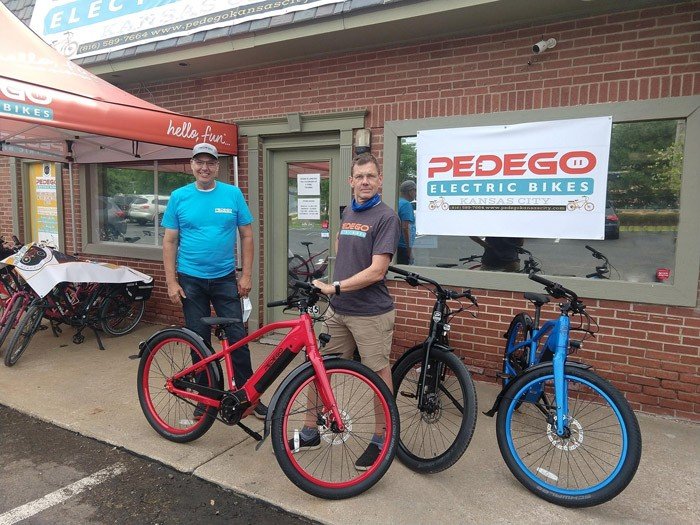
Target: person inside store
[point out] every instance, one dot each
(199, 255)
(407, 215)
(500, 253)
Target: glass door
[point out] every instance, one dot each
(304, 193)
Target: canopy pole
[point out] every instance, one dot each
(238, 237)
(72, 206)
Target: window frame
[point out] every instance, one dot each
(683, 291)
(127, 250)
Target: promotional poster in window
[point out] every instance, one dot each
(537, 179)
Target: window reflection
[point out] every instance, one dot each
(132, 199)
(641, 217)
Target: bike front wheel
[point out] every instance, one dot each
(173, 417)
(595, 459)
(119, 314)
(26, 327)
(327, 467)
(434, 436)
(10, 316)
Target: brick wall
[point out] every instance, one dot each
(650, 352)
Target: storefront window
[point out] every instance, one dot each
(641, 216)
(131, 199)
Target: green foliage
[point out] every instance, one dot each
(407, 161)
(645, 164)
(129, 181)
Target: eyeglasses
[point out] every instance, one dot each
(207, 163)
(370, 177)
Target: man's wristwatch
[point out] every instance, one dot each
(337, 287)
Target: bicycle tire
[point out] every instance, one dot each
(298, 269)
(600, 456)
(26, 328)
(171, 416)
(10, 319)
(519, 331)
(120, 314)
(329, 471)
(433, 439)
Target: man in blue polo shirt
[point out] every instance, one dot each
(199, 254)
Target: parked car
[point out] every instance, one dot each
(112, 219)
(148, 208)
(612, 222)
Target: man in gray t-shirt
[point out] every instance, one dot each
(362, 313)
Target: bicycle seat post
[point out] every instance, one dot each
(538, 311)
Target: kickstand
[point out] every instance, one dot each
(252, 433)
(99, 340)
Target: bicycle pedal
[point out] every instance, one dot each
(42, 327)
(504, 376)
(407, 394)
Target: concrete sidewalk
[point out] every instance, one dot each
(93, 393)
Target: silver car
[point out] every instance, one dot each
(148, 208)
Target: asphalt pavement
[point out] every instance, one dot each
(93, 393)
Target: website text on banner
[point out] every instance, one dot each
(79, 28)
(539, 179)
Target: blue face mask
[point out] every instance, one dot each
(371, 203)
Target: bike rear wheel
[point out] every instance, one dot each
(328, 470)
(433, 438)
(119, 314)
(515, 361)
(175, 418)
(26, 328)
(593, 462)
(298, 269)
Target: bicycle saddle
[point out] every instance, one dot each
(305, 243)
(221, 321)
(537, 298)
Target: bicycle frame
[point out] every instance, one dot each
(300, 336)
(557, 331)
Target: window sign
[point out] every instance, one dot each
(309, 209)
(538, 179)
(79, 28)
(309, 184)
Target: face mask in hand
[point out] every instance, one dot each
(247, 307)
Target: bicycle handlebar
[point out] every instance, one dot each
(556, 290)
(308, 290)
(596, 253)
(414, 278)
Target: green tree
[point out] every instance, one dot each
(407, 160)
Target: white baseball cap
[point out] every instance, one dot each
(203, 147)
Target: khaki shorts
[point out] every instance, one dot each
(372, 335)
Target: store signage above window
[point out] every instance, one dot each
(79, 28)
(539, 179)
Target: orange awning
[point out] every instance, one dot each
(52, 109)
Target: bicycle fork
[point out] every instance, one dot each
(561, 394)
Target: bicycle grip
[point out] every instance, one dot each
(273, 304)
(541, 280)
(399, 271)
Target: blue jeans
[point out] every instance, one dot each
(222, 294)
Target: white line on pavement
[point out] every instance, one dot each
(34, 507)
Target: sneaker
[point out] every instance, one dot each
(199, 411)
(368, 457)
(306, 444)
(260, 410)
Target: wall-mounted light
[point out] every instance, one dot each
(544, 45)
(362, 141)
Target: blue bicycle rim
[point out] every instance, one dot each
(570, 492)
